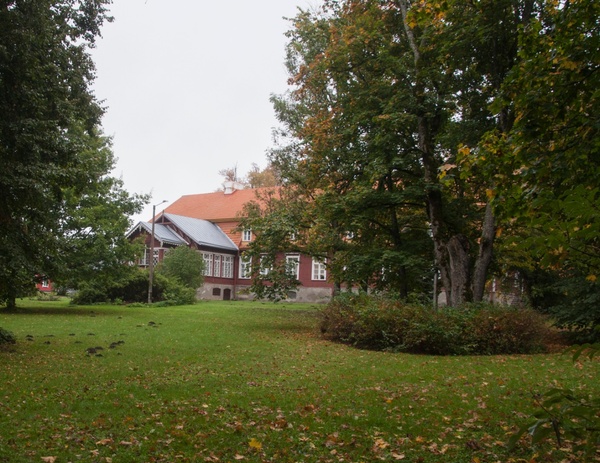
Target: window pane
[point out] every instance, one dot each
(293, 266)
(217, 271)
(319, 270)
(208, 264)
(245, 267)
(227, 266)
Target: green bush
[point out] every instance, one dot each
(6, 337)
(134, 289)
(376, 323)
(507, 330)
(90, 294)
(178, 294)
(566, 415)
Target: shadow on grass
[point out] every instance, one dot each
(76, 311)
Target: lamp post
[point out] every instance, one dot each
(151, 263)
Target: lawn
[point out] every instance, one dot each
(254, 382)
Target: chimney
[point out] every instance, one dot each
(231, 186)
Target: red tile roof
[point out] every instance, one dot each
(215, 207)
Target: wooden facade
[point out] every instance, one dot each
(209, 223)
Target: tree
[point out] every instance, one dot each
(377, 113)
(546, 168)
(257, 178)
(185, 265)
(92, 235)
(230, 174)
(55, 161)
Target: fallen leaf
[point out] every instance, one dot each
(254, 444)
(49, 459)
(104, 442)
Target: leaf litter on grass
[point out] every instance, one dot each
(196, 392)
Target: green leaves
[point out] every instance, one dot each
(61, 214)
(564, 415)
(184, 264)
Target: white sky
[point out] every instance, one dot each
(186, 84)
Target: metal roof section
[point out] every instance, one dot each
(203, 232)
(162, 233)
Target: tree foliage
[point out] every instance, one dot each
(185, 265)
(432, 132)
(59, 208)
(546, 170)
(383, 97)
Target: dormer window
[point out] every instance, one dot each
(247, 235)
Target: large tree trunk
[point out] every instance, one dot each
(451, 251)
(484, 259)
(460, 274)
(11, 304)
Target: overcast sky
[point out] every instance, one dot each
(186, 84)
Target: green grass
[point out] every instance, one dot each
(242, 381)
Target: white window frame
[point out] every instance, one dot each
(208, 263)
(292, 263)
(247, 235)
(227, 266)
(245, 268)
(217, 265)
(319, 269)
(264, 271)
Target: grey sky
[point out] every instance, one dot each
(187, 86)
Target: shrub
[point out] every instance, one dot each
(439, 333)
(376, 323)
(564, 414)
(6, 337)
(89, 294)
(134, 289)
(185, 265)
(179, 294)
(507, 330)
(49, 297)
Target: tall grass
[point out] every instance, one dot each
(247, 381)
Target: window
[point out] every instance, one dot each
(217, 272)
(265, 268)
(45, 283)
(247, 235)
(227, 266)
(319, 269)
(292, 263)
(145, 260)
(208, 264)
(245, 267)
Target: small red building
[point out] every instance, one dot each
(44, 285)
(208, 222)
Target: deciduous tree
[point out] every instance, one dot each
(56, 163)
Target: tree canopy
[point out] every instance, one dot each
(415, 135)
(184, 264)
(59, 208)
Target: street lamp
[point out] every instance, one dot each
(151, 263)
